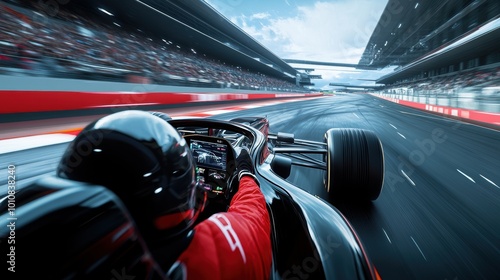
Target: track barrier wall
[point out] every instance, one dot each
(27, 101)
(466, 114)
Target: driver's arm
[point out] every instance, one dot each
(249, 202)
(249, 208)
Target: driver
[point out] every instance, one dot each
(148, 164)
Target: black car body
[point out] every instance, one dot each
(311, 238)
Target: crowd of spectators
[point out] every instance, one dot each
(67, 42)
(451, 83)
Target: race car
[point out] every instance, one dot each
(68, 230)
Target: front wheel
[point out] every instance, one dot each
(355, 164)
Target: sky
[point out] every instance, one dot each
(330, 31)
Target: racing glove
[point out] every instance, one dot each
(244, 166)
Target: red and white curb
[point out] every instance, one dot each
(237, 108)
(60, 137)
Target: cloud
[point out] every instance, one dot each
(260, 16)
(328, 31)
(334, 31)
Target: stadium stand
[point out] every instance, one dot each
(77, 45)
(442, 52)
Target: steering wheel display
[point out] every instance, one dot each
(212, 156)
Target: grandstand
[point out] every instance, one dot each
(425, 39)
(443, 52)
(164, 42)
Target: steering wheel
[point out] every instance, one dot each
(215, 165)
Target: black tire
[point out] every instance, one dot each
(355, 164)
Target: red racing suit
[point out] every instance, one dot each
(232, 245)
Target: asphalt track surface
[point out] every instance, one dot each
(438, 216)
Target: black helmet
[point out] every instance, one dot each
(146, 162)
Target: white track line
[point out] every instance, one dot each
(466, 176)
(419, 248)
(30, 142)
(387, 236)
(218, 112)
(408, 178)
(489, 181)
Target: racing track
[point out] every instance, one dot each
(438, 214)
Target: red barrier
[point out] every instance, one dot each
(420, 106)
(44, 101)
(492, 118)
